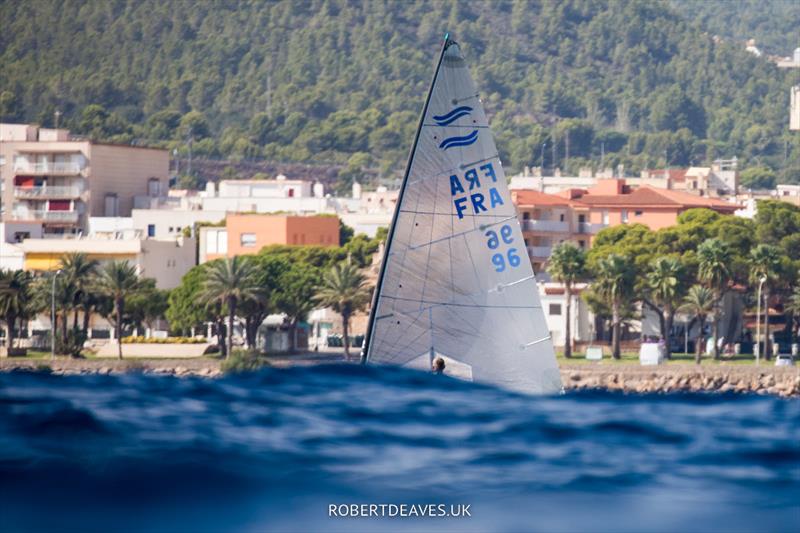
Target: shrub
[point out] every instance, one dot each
(243, 361)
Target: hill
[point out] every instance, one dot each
(342, 82)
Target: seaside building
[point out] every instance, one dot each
(613, 202)
(164, 261)
(247, 234)
(56, 181)
(794, 108)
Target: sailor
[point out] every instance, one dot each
(438, 366)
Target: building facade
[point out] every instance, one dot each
(58, 182)
(247, 234)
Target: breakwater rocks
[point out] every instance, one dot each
(781, 381)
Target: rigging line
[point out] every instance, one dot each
(449, 171)
(402, 351)
(457, 101)
(501, 286)
(430, 248)
(448, 304)
(402, 331)
(474, 268)
(481, 228)
(543, 339)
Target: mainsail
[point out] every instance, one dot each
(456, 281)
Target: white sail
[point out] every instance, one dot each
(456, 280)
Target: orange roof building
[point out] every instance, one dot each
(612, 202)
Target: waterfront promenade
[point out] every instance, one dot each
(625, 377)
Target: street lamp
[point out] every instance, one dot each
(758, 320)
(53, 316)
(544, 145)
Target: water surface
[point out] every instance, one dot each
(271, 451)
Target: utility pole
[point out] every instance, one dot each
(566, 150)
(269, 95)
(191, 138)
(602, 155)
(58, 115)
(544, 145)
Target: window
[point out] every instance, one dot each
(291, 193)
(248, 240)
(555, 309)
(526, 215)
(605, 216)
(624, 216)
(637, 213)
(581, 218)
(582, 244)
(151, 230)
(561, 218)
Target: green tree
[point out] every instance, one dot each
(758, 178)
(295, 298)
(700, 302)
(229, 282)
(344, 289)
(568, 265)
(765, 263)
(614, 281)
(665, 292)
(15, 300)
(79, 273)
(714, 270)
(117, 280)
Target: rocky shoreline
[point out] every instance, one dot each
(780, 381)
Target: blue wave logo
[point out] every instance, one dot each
(452, 116)
(466, 140)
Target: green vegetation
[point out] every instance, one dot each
(342, 82)
(80, 286)
(691, 266)
(243, 361)
(344, 289)
(568, 265)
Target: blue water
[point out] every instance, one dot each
(272, 451)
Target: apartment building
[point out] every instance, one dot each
(611, 202)
(548, 220)
(247, 234)
(57, 181)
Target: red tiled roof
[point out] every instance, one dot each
(527, 197)
(647, 196)
(677, 174)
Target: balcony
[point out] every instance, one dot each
(65, 168)
(67, 191)
(539, 251)
(547, 226)
(48, 217)
(589, 228)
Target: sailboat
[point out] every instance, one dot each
(456, 283)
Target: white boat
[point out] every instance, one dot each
(456, 282)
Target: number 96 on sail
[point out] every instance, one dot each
(504, 256)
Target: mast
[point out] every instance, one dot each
(387, 249)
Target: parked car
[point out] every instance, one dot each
(784, 360)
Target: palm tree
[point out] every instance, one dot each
(15, 300)
(229, 282)
(700, 302)
(567, 265)
(614, 282)
(344, 289)
(715, 271)
(79, 272)
(793, 306)
(663, 282)
(765, 263)
(117, 280)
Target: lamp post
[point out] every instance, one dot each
(544, 145)
(53, 316)
(758, 320)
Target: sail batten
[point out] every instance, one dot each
(456, 282)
